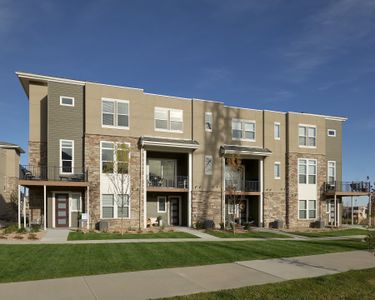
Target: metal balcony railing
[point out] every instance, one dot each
(241, 186)
(181, 182)
(348, 186)
(28, 172)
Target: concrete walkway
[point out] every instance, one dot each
(55, 236)
(184, 281)
(197, 233)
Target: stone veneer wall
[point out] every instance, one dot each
(274, 207)
(37, 153)
(92, 163)
(8, 199)
(292, 188)
(206, 206)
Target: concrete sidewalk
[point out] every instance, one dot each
(183, 281)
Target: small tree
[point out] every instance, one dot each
(234, 164)
(118, 175)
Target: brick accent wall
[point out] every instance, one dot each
(292, 188)
(92, 163)
(274, 207)
(206, 206)
(37, 153)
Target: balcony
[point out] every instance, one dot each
(160, 183)
(232, 186)
(348, 187)
(44, 173)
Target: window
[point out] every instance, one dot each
(66, 156)
(115, 113)
(208, 121)
(168, 119)
(115, 158)
(243, 130)
(277, 131)
(75, 202)
(331, 132)
(307, 209)
(112, 209)
(162, 204)
(123, 206)
(307, 136)
(331, 172)
(66, 101)
(277, 170)
(307, 171)
(208, 165)
(108, 206)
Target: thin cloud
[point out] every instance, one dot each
(330, 33)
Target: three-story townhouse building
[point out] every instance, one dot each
(105, 153)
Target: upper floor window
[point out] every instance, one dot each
(115, 113)
(66, 101)
(66, 156)
(331, 172)
(243, 130)
(331, 132)
(115, 158)
(276, 130)
(167, 119)
(208, 121)
(277, 170)
(307, 171)
(307, 136)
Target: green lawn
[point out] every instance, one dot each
(348, 285)
(332, 233)
(248, 234)
(75, 236)
(41, 261)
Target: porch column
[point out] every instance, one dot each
(338, 214)
(19, 206)
(88, 207)
(369, 210)
(223, 189)
(261, 193)
(24, 209)
(335, 219)
(45, 207)
(144, 187)
(190, 187)
(352, 210)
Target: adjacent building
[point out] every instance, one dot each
(114, 154)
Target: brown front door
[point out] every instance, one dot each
(62, 210)
(175, 210)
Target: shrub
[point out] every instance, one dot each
(199, 225)
(35, 228)
(21, 230)
(247, 226)
(222, 226)
(32, 236)
(18, 237)
(11, 228)
(370, 239)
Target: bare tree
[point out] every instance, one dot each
(118, 174)
(233, 186)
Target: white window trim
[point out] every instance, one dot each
(275, 137)
(334, 130)
(169, 120)
(61, 165)
(64, 104)
(242, 121)
(165, 200)
(114, 156)
(307, 170)
(334, 173)
(279, 164)
(307, 136)
(115, 116)
(307, 210)
(115, 208)
(208, 113)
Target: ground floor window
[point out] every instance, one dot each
(115, 207)
(162, 204)
(307, 209)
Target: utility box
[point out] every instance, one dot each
(103, 226)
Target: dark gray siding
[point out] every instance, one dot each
(65, 122)
(334, 146)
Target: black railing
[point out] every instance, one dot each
(241, 186)
(53, 173)
(348, 186)
(181, 182)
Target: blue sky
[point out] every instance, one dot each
(311, 56)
